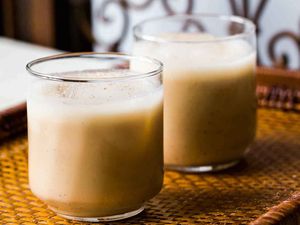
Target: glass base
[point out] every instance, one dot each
(104, 218)
(202, 169)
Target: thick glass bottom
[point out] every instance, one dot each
(202, 169)
(104, 218)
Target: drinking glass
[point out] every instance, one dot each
(209, 82)
(95, 129)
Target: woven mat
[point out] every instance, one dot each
(261, 190)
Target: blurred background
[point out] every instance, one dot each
(106, 25)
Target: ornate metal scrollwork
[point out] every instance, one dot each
(241, 9)
(167, 6)
(123, 4)
(282, 60)
(140, 6)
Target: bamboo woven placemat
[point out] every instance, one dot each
(262, 189)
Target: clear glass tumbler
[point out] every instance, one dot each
(95, 129)
(209, 82)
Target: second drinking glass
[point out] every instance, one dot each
(209, 82)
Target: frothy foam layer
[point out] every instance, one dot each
(183, 52)
(101, 96)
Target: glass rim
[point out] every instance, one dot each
(237, 19)
(48, 76)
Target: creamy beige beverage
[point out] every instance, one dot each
(95, 149)
(209, 102)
